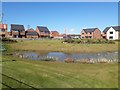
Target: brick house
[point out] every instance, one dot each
(3, 30)
(54, 34)
(43, 31)
(91, 33)
(31, 33)
(17, 31)
(111, 33)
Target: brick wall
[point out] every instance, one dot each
(97, 34)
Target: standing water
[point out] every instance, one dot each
(79, 56)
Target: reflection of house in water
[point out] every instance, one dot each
(17, 31)
(3, 30)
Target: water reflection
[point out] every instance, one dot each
(62, 56)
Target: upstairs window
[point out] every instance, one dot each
(111, 32)
(90, 33)
(3, 30)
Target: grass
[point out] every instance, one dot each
(40, 74)
(56, 45)
(22, 73)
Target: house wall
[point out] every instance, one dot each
(42, 34)
(37, 30)
(114, 35)
(97, 34)
(54, 34)
(103, 35)
(119, 35)
(3, 30)
(30, 36)
(86, 34)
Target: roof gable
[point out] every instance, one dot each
(31, 31)
(43, 29)
(117, 28)
(17, 27)
(90, 29)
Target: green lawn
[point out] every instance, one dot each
(56, 45)
(40, 74)
(21, 73)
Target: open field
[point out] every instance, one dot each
(39, 74)
(56, 45)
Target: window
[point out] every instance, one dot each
(104, 36)
(90, 36)
(46, 32)
(111, 37)
(90, 33)
(82, 33)
(15, 30)
(3, 30)
(111, 32)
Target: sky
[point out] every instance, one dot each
(72, 16)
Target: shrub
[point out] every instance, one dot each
(70, 40)
(48, 59)
(69, 60)
(77, 41)
(103, 41)
(111, 42)
(8, 40)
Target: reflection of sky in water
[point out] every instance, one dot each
(61, 56)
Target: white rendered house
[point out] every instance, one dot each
(112, 33)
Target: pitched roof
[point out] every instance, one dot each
(17, 27)
(90, 29)
(31, 31)
(117, 28)
(41, 28)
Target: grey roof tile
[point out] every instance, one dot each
(17, 27)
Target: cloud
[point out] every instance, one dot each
(72, 30)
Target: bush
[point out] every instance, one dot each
(77, 41)
(69, 60)
(48, 59)
(103, 41)
(8, 40)
(111, 42)
(89, 41)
